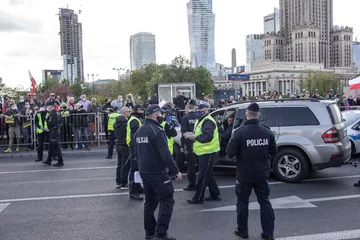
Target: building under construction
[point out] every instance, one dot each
(71, 45)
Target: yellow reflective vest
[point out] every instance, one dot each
(41, 123)
(128, 129)
(112, 119)
(170, 141)
(210, 147)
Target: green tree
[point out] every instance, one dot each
(49, 82)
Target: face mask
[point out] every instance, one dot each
(83, 99)
(42, 109)
(160, 119)
(64, 107)
(13, 107)
(48, 109)
(27, 106)
(21, 100)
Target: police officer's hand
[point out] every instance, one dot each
(178, 176)
(46, 129)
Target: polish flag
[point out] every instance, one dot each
(354, 83)
(33, 83)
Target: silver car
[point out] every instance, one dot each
(311, 135)
(353, 129)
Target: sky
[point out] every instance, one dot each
(29, 30)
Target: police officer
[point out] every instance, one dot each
(156, 165)
(252, 144)
(187, 125)
(122, 149)
(134, 123)
(53, 121)
(206, 147)
(41, 131)
(112, 118)
(169, 128)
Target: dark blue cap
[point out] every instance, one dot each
(254, 107)
(138, 107)
(151, 109)
(193, 102)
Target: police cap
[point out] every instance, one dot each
(152, 109)
(254, 107)
(193, 102)
(50, 103)
(138, 107)
(203, 104)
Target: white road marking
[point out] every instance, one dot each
(286, 203)
(3, 206)
(351, 234)
(57, 170)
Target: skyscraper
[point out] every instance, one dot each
(308, 15)
(201, 20)
(356, 54)
(233, 60)
(71, 45)
(254, 49)
(272, 22)
(142, 50)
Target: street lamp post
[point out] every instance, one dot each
(93, 81)
(118, 71)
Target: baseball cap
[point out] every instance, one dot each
(138, 107)
(151, 109)
(254, 107)
(193, 102)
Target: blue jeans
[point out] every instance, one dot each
(26, 134)
(83, 137)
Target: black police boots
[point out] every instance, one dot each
(38, 159)
(58, 164)
(267, 237)
(218, 198)
(193, 201)
(136, 197)
(243, 236)
(357, 184)
(167, 237)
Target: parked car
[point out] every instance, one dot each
(352, 118)
(311, 135)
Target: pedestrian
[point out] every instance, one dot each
(93, 110)
(117, 102)
(156, 165)
(111, 121)
(187, 126)
(252, 144)
(134, 123)
(122, 149)
(206, 147)
(12, 119)
(54, 125)
(41, 131)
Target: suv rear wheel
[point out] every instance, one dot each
(290, 166)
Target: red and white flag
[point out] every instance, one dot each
(354, 83)
(33, 84)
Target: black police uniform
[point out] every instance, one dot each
(122, 149)
(187, 125)
(252, 144)
(54, 125)
(42, 137)
(156, 165)
(135, 188)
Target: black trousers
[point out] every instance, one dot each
(54, 147)
(155, 193)
(206, 178)
(123, 165)
(191, 160)
(111, 143)
(262, 191)
(134, 188)
(41, 140)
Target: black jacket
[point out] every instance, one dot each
(156, 164)
(180, 101)
(252, 144)
(134, 126)
(170, 131)
(54, 120)
(226, 135)
(120, 130)
(187, 125)
(208, 129)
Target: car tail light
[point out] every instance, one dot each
(331, 136)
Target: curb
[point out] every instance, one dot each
(71, 153)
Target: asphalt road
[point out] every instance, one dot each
(80, 201)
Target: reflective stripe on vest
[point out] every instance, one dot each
(210, 147)
(112, 119)
(38, 130)
(128, 129)
(170, 141)
(10, 120)
(26, 124)
(65, 113)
